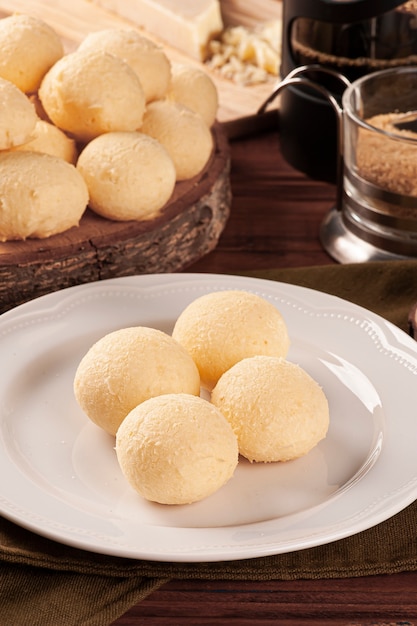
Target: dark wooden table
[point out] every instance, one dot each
(275, 221)
(276, 212)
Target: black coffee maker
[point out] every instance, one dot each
(351, 37)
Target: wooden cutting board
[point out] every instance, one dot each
(190, 224)
(74, 19)
(188, 228)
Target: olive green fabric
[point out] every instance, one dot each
(43, 583)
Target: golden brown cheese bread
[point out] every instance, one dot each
(48, 139)
(183, 133)
(41, 195)
(90, 93)
(221, 328)
(145, 57)
(194, 88)
(18, 116)
(29, 47)
(176, 449)
(130, 176)
(277, 410)
(127, 367)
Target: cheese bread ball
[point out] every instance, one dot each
(41, 195)
(195, 89)
(182, 132)
(29, 47)
(127, 367)
(17, 116)
(277, 411)
(221, 328)
(145, 57)
(130, 176)
(90, 93)
(49, 139)
(176, 449)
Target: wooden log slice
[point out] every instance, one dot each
(188, 228)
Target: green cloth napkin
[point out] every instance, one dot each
(43, 583)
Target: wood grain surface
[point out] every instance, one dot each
(276, 212)
(371, 601)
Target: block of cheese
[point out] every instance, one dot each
(187, 25)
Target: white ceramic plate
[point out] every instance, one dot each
(60, 477)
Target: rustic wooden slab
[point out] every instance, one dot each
(188, 228)
(193, 220)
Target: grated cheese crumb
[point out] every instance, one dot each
(246, 56)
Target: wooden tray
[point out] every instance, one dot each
(74, 19)
(188, 228)
(191, 223)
